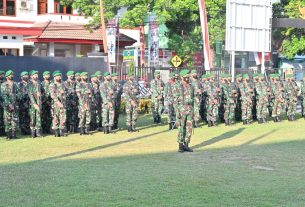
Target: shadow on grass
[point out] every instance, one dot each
(259, 137)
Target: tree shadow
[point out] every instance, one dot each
(219, 138)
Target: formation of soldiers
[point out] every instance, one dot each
(82, 105)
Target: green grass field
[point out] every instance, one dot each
(257, 165)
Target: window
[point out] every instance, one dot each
(61, 9)
(9, 52)
(7, 7)
(42, 6)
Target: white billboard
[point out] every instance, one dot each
(248, 25)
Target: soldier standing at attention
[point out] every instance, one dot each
(99, 76)
(118, 90)
(131, 92)
(58, 95)
(203, 107)
(46, 103)
(230, 95)
(10, 93)
(84, 93)
(198, 92)
(96, 104)
(24, 104)
(262, 93)
(2, 80)
(35, 95)
(238, 84)
(186, 106)
(247, 93)
(157, 87)
(278, 91)
(71, 103)
(107, 94)
(212, 101)
(77, 82)
(169, 100)
(292, 91)
(302, 94)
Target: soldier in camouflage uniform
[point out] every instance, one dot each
(71, 102)
(169, 100)
(24, 104)
(84, 93)
(10, 93)
(77, 82)
(247, 93)
(46, 103)
(131, 92)
(99, 76)
(118, 90)
(212, 101)
(278, 92)
(254, 100)
(198, 91)
(58, 93)
(302, 94)
(292, 93)
(107, 94)
(186, 107)
(96, 104)
(157, 87)
(238, 110)
(203, 111)
(230, 94)
(35, 95)
(262, 92)
(2, 80)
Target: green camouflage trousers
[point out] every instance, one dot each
(35, 119)
(96, 116)
(107, 115)
(185, 125)
(157, 108)
(229, 111)
(131, 114)
(10, 120)
(246, 107)
(261, 109)
(212, 110)
(277, 108)
(303, 105)
(171, 115)
(84, 117)
(197, 109)
(59, 118)
(291, 107)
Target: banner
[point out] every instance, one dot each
(154, 41)
(205, 34)
(142, 45)
(111, 32)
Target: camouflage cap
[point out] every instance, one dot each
(94, 75)
(56, 71)
(77, 74)
(246, 76)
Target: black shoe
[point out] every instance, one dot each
(181, 148)
(38, 133)
(259, 121)
(9, 135)
(214, 123)
(14, 134)
(81, 131)
(187, 149)
(244, 122)
(106, 130)
(278, 119)
(110, 129)
(33, 133)
(133, 128)
(170, 126)
(274, 119)
(57, 134)
(87, 130)
(292, 118)
(129, 128)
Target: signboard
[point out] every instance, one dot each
(111, 33)
(176, 61)
(128, 55)
(248, 25)
(153, 40)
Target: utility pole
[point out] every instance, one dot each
(105, 45)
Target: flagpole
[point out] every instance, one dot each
(105, 45)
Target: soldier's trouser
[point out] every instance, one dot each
(262, 109)
(212, 112)
(197, 109)
(108, 115)
(171, 116)
(2, 130)
(10, 120)
(35, 119)
(229, 112)
(131, 114)
(46, 117)
(116, 114)
(24, 119)
(185, 126)
(277, 108)
(303, 105)
(246, 107)
(59, 118)
(71, 116)
(291, 107)
(84, 118)
(156, 108)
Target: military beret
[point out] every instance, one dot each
(261, 75)
(245, 76)
(114, 74)
(70, 72)
(94, 75)
(8, 73)
(204, 76)
(84, 74)
(106, 74)
(239, 76)
(2, 72)
(223, 75)
(130, 74)
(172, 74)
(98, 72)
(184, 72)
(24, 73)
(157, 73)
(46, 73)
(194, 72)
(33, 72)
(255, 75)
(290, 76)
(77, 74)
(56, 73)
(277, 75)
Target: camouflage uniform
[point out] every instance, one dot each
(169, 100)
(212, 101)
(46, 104)
(10, 94)
(292, 91)
(2, 80)
(107, 94)
(131, 92)
(186, 108)
(197, 98)
(262, 93)
(58, 93)
(203, 107)
(247, 93)
(238, 85)
(157, 87)
(278, 92)
(24, 105)
(118, 90)
(302, 93)
(96, 104)
(230, 93)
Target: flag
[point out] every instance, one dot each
(205, 34)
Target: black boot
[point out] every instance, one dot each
(72, 130)
(278, 119)
(105, 130)
(57, 133)
(186, 148)
(209, 124)
(33, 133)
(9, 135)
(259, 121)
(292, 118)
(170, 127)
(244, 122)
(274, 119)
(133, 128)
(110, 129)
(81, 131)
(181, 148)
(87, 131)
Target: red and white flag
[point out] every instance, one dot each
(205, 34)
(259, 57)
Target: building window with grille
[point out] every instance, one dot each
(42, 6)
(7, 7)
(62, 9)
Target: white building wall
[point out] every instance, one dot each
(11, 43)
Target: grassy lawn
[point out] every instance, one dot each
(257, 165)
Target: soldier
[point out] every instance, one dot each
(46, 103)
(71, 102)
(77, 78)
(278, 92)
(169, 100)
(84, 93)
(96, 111)
(24, 104)
(212, 101)
(10, 93)
(198, 91)
(262, 92)
(186, 107)
(230, 95)
(157, 87)
(107, 94)
(203, 111)
(254, 100)
(99, 76)
(118, 90)
(238, 110)
(131, 92)
(77, 82)
(58, 94)
(292, 93)
(2, 80)
(302, 93)
(35, 95)
(223, 87)
(247, 93)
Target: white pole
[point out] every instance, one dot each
(233, 66)
(263, 62)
